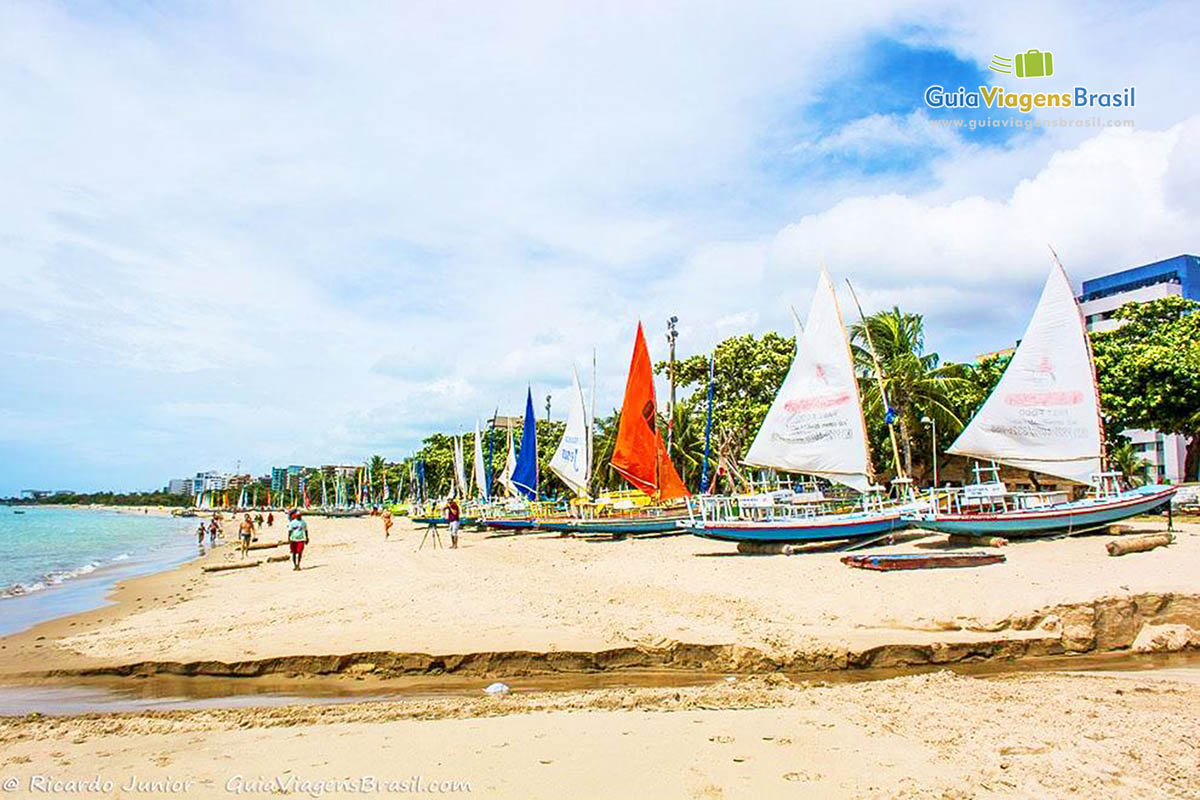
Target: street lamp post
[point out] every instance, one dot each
(933, 424)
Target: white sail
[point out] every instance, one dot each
(1044, 414)
(510, 466)
(572, 462)
(815, 425)
(460, 475)
(481, 483)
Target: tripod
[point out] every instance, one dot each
(436, 541)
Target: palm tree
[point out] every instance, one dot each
(917, 384)
(1124, 459)
(377, 477)
(687, 443)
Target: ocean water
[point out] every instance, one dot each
(58, 561)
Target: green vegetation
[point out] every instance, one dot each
(159, 498)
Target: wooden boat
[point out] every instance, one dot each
(1080, 516)
(639, 455)
(619, 526)
(509, 523)
(1043, 416)
(435, 522)
(815, 426)
(890, 563)
(817, 528)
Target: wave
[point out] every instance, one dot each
(52, 578)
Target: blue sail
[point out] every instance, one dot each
(525, 476)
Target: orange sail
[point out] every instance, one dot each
(640, 455)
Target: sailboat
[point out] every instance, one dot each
(572, 460)
(640, 456)
(1042, 416)
(815, 426)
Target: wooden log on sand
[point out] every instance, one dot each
(267, 545)
(237, 565)
(274, 559)
(978, 541)
(1139, 544)
(766, 548)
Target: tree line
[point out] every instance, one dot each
(1148, 371)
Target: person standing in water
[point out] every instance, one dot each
(200, 536)
(212, 533)
(387, 524)
(245, 534)
(297, 538)
(452, 516)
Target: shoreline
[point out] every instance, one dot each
(67, 591)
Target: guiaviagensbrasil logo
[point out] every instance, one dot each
(1030, 64)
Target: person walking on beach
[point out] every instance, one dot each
(258, 521)
(245, 534)
(212, 533)
(270, 518)
(387, 524)
(452, 516)
(200, 536)
(297, 538)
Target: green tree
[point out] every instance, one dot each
(917, 384)
(1124, 458)
(749, 371)
(1149, 371)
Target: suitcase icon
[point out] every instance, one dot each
(1034, 64)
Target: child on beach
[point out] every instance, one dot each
(452, 514)
(297, 538)
(245, 533)
(387, 524)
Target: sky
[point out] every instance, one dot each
(237, 235)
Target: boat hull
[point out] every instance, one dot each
(1082, 515)
(614, 526)
(508, 524)
(828, 528)
(440, 521)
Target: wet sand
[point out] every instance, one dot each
(937, 735)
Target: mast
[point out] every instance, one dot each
(887, 408)
(712, 368)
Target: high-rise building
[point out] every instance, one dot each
(210, 481)
(181, 486)
(1180, 275)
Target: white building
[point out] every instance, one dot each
(210, 482)
(1104, 295)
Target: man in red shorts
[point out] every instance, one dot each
(297, 538)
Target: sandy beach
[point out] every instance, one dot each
(513, 607)
(683, 601)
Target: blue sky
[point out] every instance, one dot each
(269, 233)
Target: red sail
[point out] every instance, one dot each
(640, 455)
